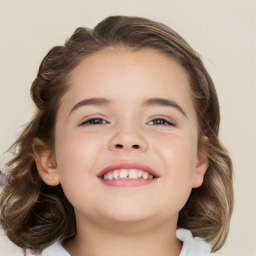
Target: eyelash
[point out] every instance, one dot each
(156, 121)
(162, 121)
(94, 121)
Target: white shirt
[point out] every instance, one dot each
(191, 246)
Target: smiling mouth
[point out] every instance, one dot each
(127, 175)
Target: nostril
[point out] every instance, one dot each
(119, 146)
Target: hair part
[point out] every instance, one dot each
(35, 215)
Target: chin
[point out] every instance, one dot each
(127, 215)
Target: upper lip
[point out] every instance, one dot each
(127, 165)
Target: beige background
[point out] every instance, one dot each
(222, 31)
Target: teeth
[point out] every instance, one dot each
(133, 174)
(130, 174)
(123, 174)
(140, 172)
(145, 175)
(115, 174)
(110, 176)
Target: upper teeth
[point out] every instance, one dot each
(127, 174)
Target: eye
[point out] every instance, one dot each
(161, 121)
(94, 121)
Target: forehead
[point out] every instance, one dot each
(125, 75)
(129, 67)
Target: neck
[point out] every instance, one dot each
(124, 239)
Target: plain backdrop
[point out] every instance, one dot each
(222, 31)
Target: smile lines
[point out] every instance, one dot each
(127, 174)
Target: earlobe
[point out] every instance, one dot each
(45, 163)
(201, 168)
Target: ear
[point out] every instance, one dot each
(201, 165)
(45, 163)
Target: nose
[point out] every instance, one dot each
(128, 139)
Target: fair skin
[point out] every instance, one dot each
(129, 126)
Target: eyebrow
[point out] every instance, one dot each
(148, 102)
(90, 101)
(165, 103)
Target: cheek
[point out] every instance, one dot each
(180, 167)
(76, 155)
(179, 156)
(76, 152)
(180, 151)
(179, 178)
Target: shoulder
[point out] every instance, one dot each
(192, 246)
(56, 249)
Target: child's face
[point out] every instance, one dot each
(128, 126)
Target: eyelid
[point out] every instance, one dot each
(87, 122)
(93, 117)
(168, 119)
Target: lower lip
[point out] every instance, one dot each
(127, 182)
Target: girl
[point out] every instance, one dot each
(122, 156)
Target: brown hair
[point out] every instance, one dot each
(34, 214)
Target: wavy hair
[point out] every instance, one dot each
(35, 215)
